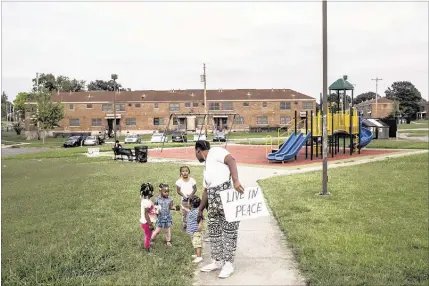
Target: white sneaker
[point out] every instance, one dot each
(198, 260)
(215, 265)
(227, 270)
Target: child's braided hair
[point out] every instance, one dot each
(146, 190)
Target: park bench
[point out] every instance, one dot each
(121, 152)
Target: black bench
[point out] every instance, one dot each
(121, 152)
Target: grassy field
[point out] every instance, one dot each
(414, 133)
(74, 221)
(372, 230)
(415, 124)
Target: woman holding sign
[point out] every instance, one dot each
(220, 167)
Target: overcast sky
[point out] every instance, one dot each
(245, 45)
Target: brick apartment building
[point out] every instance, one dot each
(144, 111)
(370, 109)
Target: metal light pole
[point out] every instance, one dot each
(114, 77)
(376, 95)
(325, 98)
(204, 80)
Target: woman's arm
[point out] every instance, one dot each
(232, 165)
(200, 225)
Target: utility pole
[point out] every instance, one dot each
(204, 80)
(325, 98)
(114, 77)
(376, 95)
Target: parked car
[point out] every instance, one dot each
(199, 136)
(133, 138)
(158, 138)
(73, 141)
(219, 136)
(91, 141)
(179, 136)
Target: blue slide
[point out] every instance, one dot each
(286, 145)
(365, 137)
(293, 149)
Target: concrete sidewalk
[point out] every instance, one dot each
(261, 258)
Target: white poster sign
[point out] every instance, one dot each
(93, 152)
(248, 205)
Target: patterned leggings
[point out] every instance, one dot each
(223, 234)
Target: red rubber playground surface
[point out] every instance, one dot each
(256, 155)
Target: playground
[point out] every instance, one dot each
(256, 155)
(347, 139)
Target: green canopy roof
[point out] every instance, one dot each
(341, 84)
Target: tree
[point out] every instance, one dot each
(101, 85)
(408, 97)
(5, 105)
(363, 97)
(45, 81)
(60, 83)
(48, 114)
(64, 84)
(20, 101)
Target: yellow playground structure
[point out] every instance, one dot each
(308, 131)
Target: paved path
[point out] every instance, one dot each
(262, 256)
(7, 151)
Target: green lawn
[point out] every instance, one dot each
(416, 124)
(414, 133)
(372, 230)
(76, 221)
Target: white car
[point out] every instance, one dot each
(91, 141)
(158, 138)
(133, 138)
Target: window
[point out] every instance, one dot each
(74, 122)
(174, 106)
(158, 121)
(137, 105)
(96, 122)
(307, 105)
(175, 122)
(238, 120)
(89, 105)
(200, 120)
(227, 106)
(262, 120)
(245, 104)
(195, 104)
(284, 105)
(214, 106)
(284, 120)
(107, 107)
(187, 104)
(264, 104)
(155, 105)
(71, 106)
(120, 107)
(130, 122)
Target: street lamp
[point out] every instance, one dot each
(114, 77)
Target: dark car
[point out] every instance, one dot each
(73, 141)
(219, 136)
(179, 136)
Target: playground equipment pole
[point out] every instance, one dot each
(311, 136)
(306, 132)
(325, 98)
(295, 126)
(351, 131)
(359, 118)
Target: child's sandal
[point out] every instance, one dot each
(169, 244)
